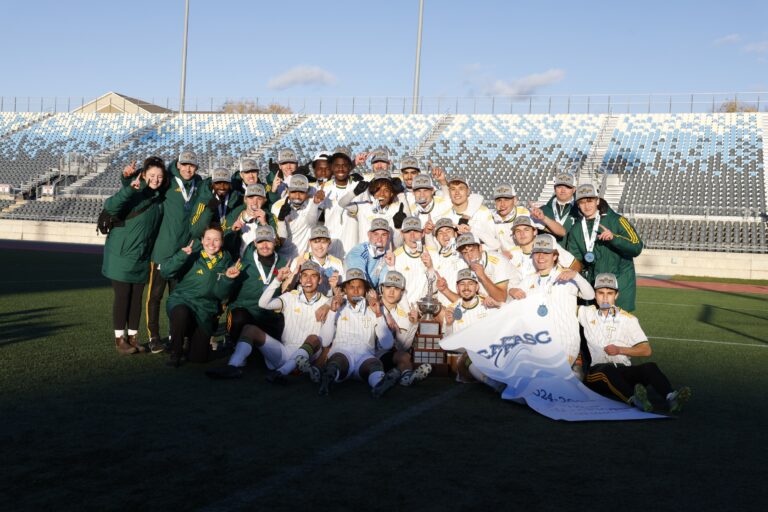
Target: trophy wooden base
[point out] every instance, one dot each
(426, 349)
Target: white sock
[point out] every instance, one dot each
(119, 333)
(374, 378)
(481, 377)
(132, 332)
(288, 367)
(242, 351)
(301, 352)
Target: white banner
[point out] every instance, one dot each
(517, 346)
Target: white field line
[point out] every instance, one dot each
(716, 342)
(697, 305)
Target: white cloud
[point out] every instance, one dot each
(758, 47)
(729, 39)
(302, 75)
(526, 85)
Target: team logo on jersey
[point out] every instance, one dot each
(507, 343)
(199, 271)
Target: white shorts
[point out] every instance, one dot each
(355, 361)
(276, 354)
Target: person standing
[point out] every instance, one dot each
(181, 189)
(137, 213)
(605, 242)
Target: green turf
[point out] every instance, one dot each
(83, 428)
(703, 279)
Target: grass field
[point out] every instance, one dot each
(82, 428)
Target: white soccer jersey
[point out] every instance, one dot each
(330, 265)
(503, 228)
(448, 264)
(466, 315)
(496, 267)
(406, 331)
(558, 301)
(521, 265)
(299, 314)
(618, 328)
(356, 329)
(480, 220)
(297, 227)
(414, 271)
(366, 212)
(340, 223)
(437, 205)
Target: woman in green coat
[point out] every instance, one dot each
(605, 242)
(136, 211)
(206, 274)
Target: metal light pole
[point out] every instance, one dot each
(415, 106)
(184, 59)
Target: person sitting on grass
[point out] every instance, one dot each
(614, 336)
(355, 330)
(206, 275)
(300, 335)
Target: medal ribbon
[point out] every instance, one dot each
(589, 241)
(264, 278)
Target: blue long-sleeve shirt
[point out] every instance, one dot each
(361, 257)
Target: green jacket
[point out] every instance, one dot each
(202, 215)
(175, 230)
(128, 248)
(615, 256)
(571, 212)
(249, 286)
(200, 288)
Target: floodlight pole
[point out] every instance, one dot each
(415, 106)
(184, 59)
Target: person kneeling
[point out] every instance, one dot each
(205, 279)
(300, 309)
(355, 329)
(613, 337)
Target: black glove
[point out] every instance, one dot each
(273, 167)
(463, 221)
(303, 169)
(285, 211)
(213, 204)
(356, 177)
(397, 185)
(321, 217)
(399, 217)
(361, 187)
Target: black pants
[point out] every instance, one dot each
(240, 317)
(126, 308)
(156, 290)
(618, 381)
(184, 325)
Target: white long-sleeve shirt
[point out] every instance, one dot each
(298, 311)
(296, 228)
(357, 330)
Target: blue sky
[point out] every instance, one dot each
(343, 48)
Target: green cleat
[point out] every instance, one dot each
(640, 399)
(678, 398)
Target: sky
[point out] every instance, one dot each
(247, 49)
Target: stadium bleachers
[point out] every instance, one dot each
(688, 160)
(64, 209)
(703, 235)
(212, 136)
(36, 149)
(683, 174)
(524, 150)
(401, 134)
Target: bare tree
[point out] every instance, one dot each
(250, 107)
(732, 106)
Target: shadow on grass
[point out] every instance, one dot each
(28, 324)
(707, 316)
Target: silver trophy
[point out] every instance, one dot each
(428, 306)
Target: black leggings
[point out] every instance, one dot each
(618, 382)
(184, 325)
(156, 290)
(240, 317)
(126, 308)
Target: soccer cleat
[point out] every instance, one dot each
(302, 363)
(225, 372)
(156, 346)
(640, 399)
(390, 379)
(678, 398)
(275, 377)
(315, 374)
(406, 379)
(327, 378)
(410, 377)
